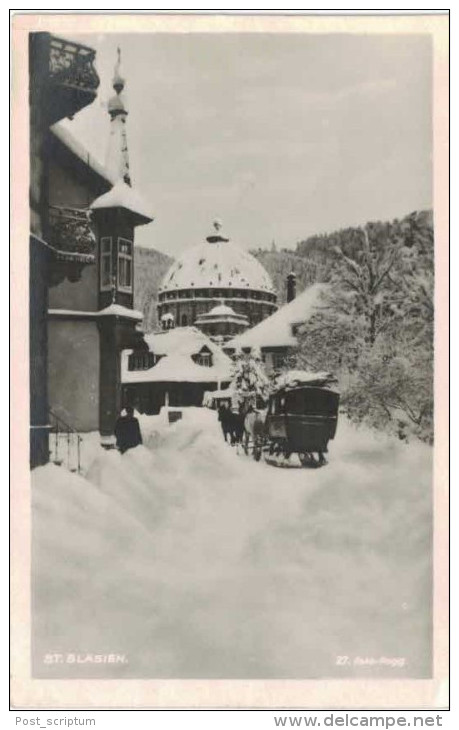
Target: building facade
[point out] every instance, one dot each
(83, 219)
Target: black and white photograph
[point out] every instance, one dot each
(232, 260)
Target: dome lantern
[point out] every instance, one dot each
(217, 237)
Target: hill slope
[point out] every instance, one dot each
(149, 269)
(314, 257)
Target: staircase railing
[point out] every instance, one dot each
(64, 444)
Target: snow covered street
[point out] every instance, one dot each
(190, 560)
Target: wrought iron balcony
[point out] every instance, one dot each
(64, 71)
(71, 64)
(70, 230)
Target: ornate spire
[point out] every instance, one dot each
(118, 81)
(118, 156)
(116, 104)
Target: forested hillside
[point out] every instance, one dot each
(314, 258)
(149, 269)
(375, 327)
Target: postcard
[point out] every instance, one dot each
(230, 361)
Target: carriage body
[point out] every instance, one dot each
(301, 420)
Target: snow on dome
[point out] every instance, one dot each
(123, 196)
(217, 263)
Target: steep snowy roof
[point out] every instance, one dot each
(176, 347)
(64, 135)
(276, 330)
(123, 196)
(217, 262)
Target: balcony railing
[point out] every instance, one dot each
(66, 75)
(70, 230)
(72, 64)
(64, 444)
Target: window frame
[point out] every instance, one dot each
(140, 361)
(127, 257)
(103, 255)
(205, 359)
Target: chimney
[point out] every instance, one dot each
(291, 287)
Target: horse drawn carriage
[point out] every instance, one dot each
(301, 418)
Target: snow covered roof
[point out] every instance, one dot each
(120, 195)
(64, 135)
(295, 378)
(222, 313)
(123, 196)
(114, 310)
(217, 262)
(118, 310)
(221, 309)
(176, 347)
(276, 330)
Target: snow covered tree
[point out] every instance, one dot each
(365, 275)
(249, 383)
(333, 338)
(394, 384)
(374, 329)
(414, 278)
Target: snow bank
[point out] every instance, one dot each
(194, 561)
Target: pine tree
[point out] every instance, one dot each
(249, 381)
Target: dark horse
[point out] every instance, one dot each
(232, 424)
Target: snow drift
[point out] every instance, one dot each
(194, 561)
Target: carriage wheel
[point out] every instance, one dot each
(306, 458)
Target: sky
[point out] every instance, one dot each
(281, 136)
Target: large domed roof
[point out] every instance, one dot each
(219, 263)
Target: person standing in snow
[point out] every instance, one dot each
(127, 431)
(224, 418)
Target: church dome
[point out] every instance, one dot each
(218, 287)
(217, 263)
